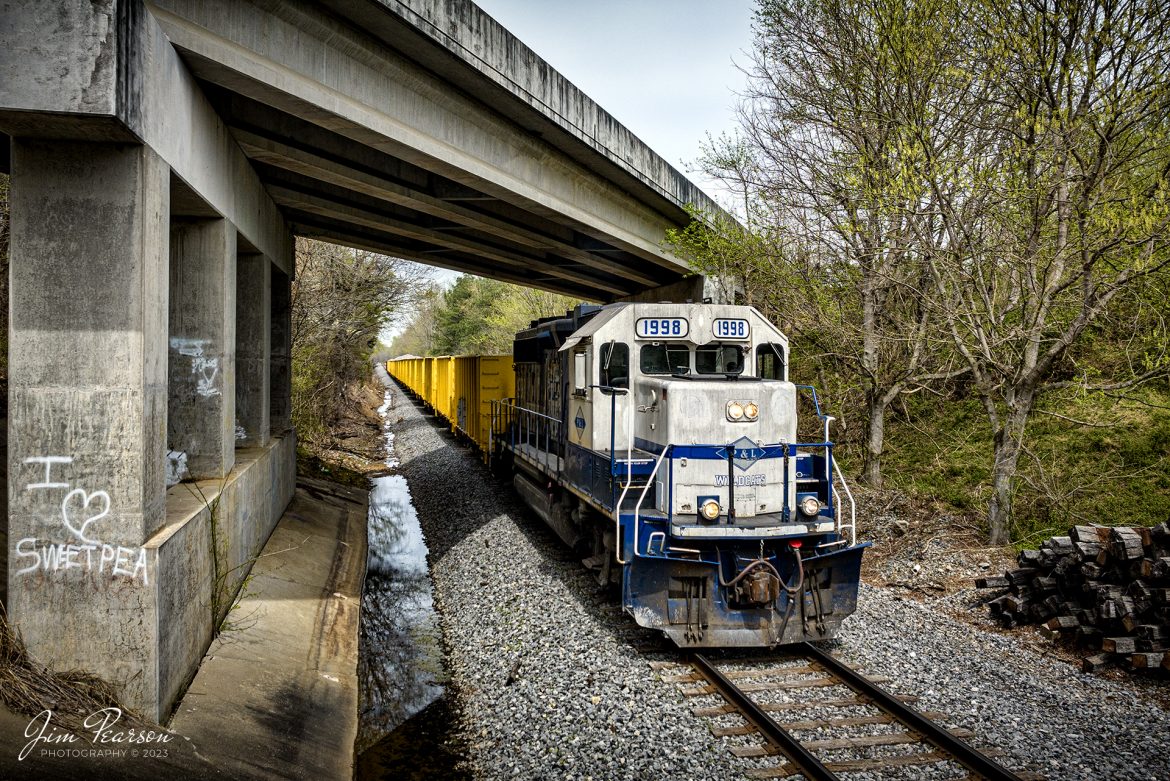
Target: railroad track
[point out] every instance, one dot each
(819, 758)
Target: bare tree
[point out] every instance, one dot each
(1062, 206)
(341, 300)
(844, 98)
(419, 335)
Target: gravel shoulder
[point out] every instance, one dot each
(550, 683)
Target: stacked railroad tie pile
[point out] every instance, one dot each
(1105, 588)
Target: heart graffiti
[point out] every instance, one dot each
(77, 506)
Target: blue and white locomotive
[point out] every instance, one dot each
(661, 440)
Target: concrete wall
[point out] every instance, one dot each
(253, 349)
(88, 334)
(247, 508)
(280, 354)
(202, 339)
(112, 290)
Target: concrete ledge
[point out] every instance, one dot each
(247, 504)
(276, 696)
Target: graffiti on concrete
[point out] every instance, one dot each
(177, 470)
(80, 510)
(77, 515)
(204, 367)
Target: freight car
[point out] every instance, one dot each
(660, 440)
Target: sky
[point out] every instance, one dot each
(666, 69)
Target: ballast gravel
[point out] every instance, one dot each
(1045, 713)
(552, 680)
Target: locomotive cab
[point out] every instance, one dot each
(668, 433)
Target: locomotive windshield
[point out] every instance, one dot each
(660, 358)
(715, 358)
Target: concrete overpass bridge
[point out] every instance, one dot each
(162, 158)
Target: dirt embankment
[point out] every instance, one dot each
(355, 448)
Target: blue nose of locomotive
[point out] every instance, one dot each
(789, 595)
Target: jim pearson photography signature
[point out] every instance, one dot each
(103, 731)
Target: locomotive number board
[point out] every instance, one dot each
(724, 328)
(662, 328)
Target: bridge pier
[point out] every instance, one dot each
(254, 337)
(202, 356)
(143, 256)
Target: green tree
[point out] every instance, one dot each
(1050, 222)
(479, 316)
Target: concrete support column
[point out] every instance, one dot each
(280, 405)
(88, 404)
(253, 349)
(202, 403)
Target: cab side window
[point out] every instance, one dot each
(770, 361)
(615, 365)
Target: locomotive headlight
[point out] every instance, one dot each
(751, 410)
(810, 506)
(734, 410)
(710, 509)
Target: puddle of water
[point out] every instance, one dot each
(401, 663)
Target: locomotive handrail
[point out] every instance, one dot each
(816, 402)
(613, 393)
(522, 423)
(617, 509)
(834, 472)
(495, 411)
(852, 509)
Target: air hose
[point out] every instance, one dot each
(791, 590)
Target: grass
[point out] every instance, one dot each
(1088, 459)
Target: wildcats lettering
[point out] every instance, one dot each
(741, 480)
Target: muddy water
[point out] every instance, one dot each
(402, 731)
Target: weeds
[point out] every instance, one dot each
(224, 598)
(30, 688)
(1087, 462)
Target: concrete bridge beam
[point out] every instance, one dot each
(305, 62)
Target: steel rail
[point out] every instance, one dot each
(962, 752)
(809, 766)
